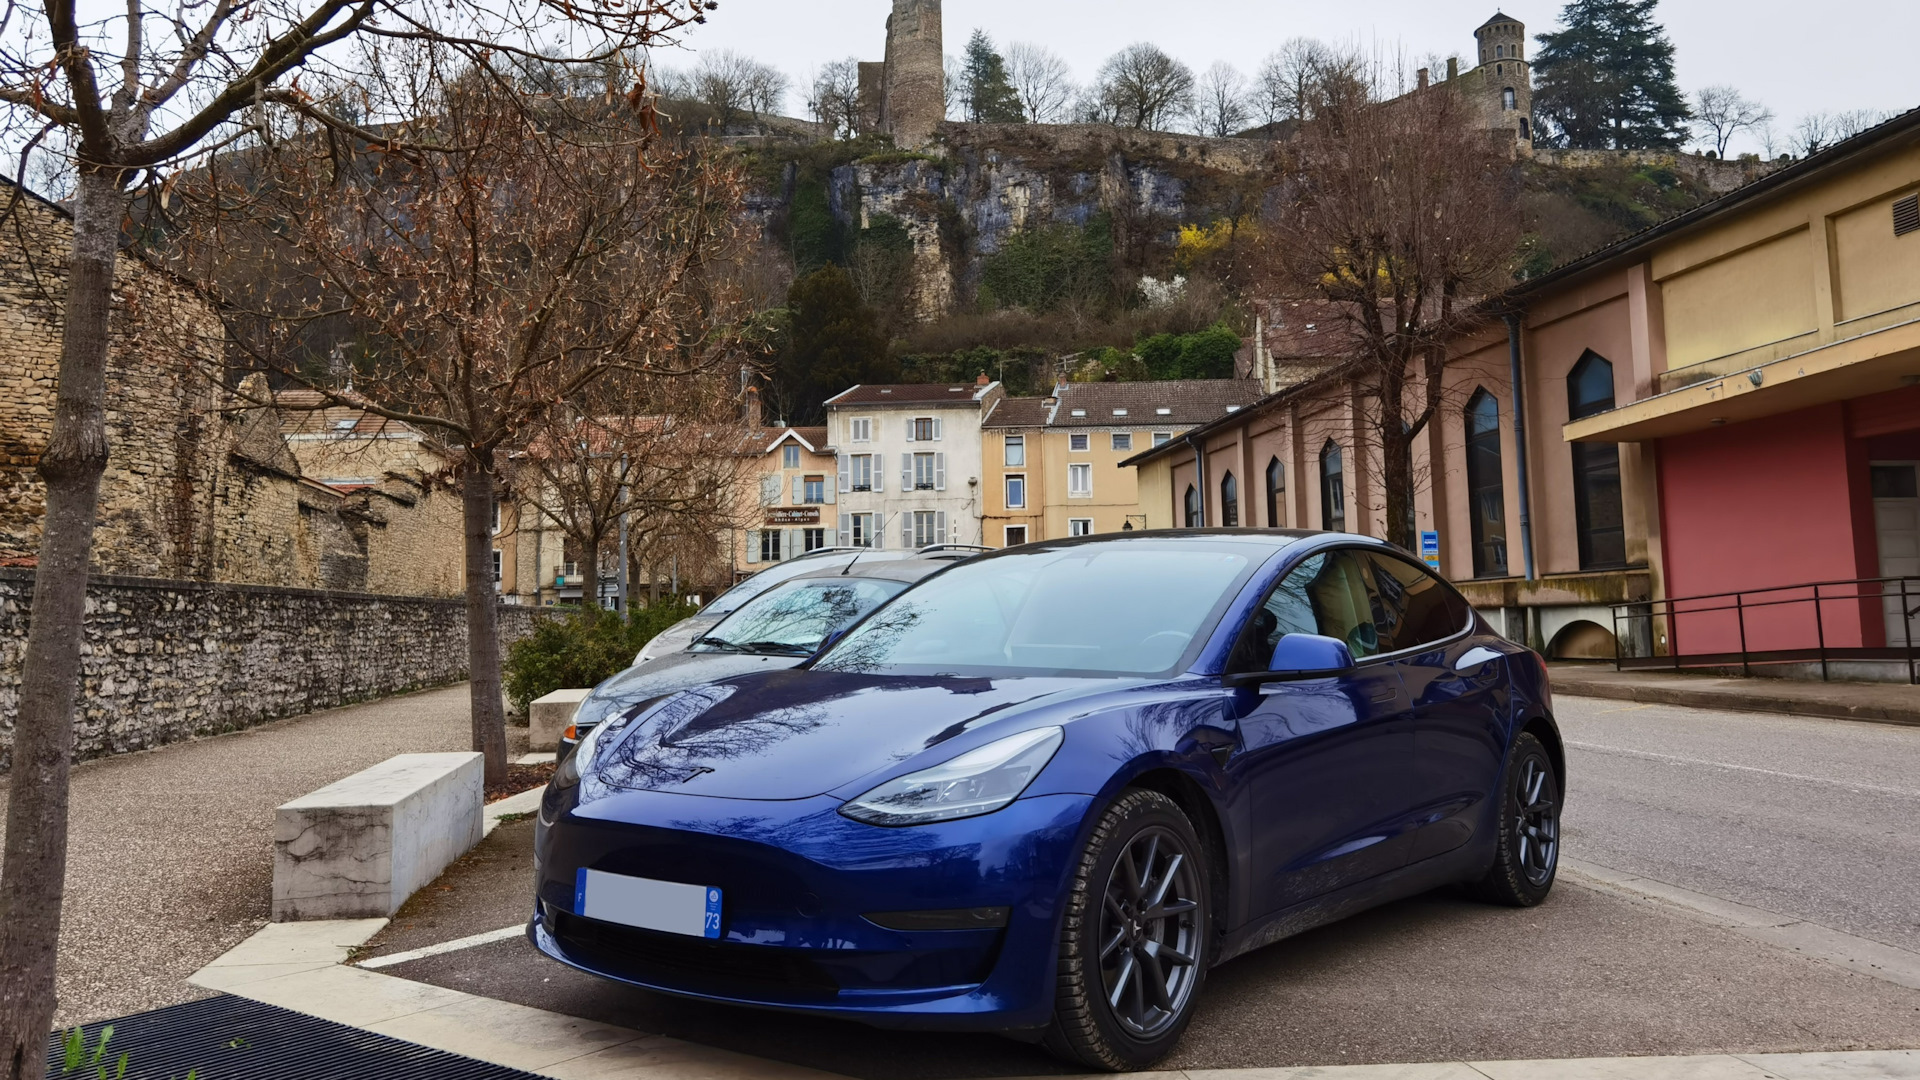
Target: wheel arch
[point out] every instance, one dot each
(1543, 728)
(1193, 801)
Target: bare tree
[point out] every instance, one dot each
(1286, 79)
(731, 84)
(1042, 81)
(1220, 101)
(1723, 113)
(1142, 87)
(1401, 215)
(835, 103)
(130, 91)
(1818, 131)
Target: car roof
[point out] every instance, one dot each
(908, 570)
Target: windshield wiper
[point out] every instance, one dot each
(778, 648)
(721, 644)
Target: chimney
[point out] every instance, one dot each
(754, 418)
(1422, 76)
(982, 380)
(1453, 68)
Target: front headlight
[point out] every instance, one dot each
(977, 782)
(568, 774)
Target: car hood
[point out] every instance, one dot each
(797, 734)
(670, 674)
(678, 636)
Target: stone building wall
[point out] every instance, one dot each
(167, 660)
(161, 416)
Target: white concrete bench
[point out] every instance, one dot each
(357, 848)
(547, 717)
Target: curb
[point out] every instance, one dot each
(1742, 700)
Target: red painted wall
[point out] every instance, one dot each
(1770, 502)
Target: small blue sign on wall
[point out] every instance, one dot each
(1430, 550)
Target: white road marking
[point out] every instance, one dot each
(1676, 759)
(455, 945)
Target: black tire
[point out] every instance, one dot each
(1527, 855)
(1113, 952)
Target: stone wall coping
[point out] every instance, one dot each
(387, 784)
(117, 581)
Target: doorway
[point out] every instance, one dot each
(1896, 520)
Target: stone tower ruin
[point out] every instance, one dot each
(906, 95)
(1505, 78)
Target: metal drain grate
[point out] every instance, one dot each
(231, 1038)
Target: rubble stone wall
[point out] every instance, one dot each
(169, 660)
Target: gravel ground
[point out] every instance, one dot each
(170, 861)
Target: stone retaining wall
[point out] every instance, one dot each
(168, 660)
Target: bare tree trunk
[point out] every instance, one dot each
(590, 576)
(1396, 482)
(33, 876)
(483, 641)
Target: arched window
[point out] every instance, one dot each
(1194, 519)
(1508, 100)
(1499, 50)
(1276, 495)
(1525, 134)
(1486, 486)
(1596, 469)
(1229, 502)
(1333, 489)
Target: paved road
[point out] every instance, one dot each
(171, 856)
(1817, 819)
(1811, 818)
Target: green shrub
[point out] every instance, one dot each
(582, 648)
(1207, 354)
(1041, 269)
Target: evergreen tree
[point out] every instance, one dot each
(833, 341)
(990, 98)
(1606, 80)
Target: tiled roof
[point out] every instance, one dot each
(1307, 329)
(815, 437)
(1016, 412)
(1142, 404)
(910, 394)
(301, 413)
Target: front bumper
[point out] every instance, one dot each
(798, 880)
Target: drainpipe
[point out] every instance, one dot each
(1199, 478)
(1520, 441)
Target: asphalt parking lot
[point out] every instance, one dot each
(1807, 817)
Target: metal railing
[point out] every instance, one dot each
(1824, 622)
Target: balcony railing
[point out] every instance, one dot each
(1873, 620)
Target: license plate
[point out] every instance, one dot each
(667, 906)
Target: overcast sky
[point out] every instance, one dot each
(1795, 58)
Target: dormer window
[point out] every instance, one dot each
(1163, 412)
(1079, 412)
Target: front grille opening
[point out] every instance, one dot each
(690, 963)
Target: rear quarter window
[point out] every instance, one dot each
(1412, 607)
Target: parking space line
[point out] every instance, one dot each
(1677, 759)
(457, 944)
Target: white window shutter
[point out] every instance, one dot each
(940, 527)
(830, 495)
(844, 482)
(769, 491)
(910, 427)
(753, 546)
(906, 530)
(879, 462)
(799, 490)
(906, 472)
(940, 472)
(846, 531)
(877, 535)
(936, 429)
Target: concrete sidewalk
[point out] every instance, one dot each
(1886, 703)
(170, 856)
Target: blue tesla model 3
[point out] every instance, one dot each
(1043, 791)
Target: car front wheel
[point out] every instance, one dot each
(1135, 938)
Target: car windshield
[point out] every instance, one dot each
(1106, 609)
(794, 618)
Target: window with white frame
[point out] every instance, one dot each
(770, 545)
(497, 572)
(926, 529)
(925, 429)
(1079, 481)
(814, 539)
(813, 490)
(496, 516)
(1079, 526)
(1123, 440)
(862, 530)
(1079, 442)
(923, 472)
(1016, 492)
(860, 468)
(789, 457)
(1162, 438)
(1016, 451)
(860, 429)
(1016, 535)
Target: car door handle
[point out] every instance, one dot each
(1474, 658)
(1385, 694)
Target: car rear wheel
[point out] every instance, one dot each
(1528, 853)
(1135, 940)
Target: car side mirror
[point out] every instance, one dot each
(1310, 654)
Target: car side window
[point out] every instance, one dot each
(1325, 594)
(1412, 607)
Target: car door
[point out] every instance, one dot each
(1325, 758)
(1456, 681)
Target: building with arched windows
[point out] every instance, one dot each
(1724, 405)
